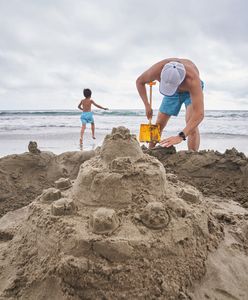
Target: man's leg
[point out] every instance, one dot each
(82, 133)
(194, 136)
(162, 120)
(93, 130)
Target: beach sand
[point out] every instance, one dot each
(124, 222)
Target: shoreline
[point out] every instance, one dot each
(61, 142)
(59, 131)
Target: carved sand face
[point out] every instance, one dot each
(32, 146)
(104, 221)
(155, 215)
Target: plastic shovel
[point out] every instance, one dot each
(149, 132)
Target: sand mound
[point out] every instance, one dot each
(213, 173)
(227, 267)
(122, 231)
(24, 176)
(120, 174)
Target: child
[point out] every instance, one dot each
(87, 115)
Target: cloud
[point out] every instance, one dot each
(51, 50)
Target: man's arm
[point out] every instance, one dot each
(153, 73)
(196, 96)
(99, 106)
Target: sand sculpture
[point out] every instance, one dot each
(63, 183)
(104, 221)
(33, 147)
(121, 231)
(50, 195)
(23, 177)
(119, 174)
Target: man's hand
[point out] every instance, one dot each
(149, 112)
(172, 140)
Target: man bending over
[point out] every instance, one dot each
(179, 83)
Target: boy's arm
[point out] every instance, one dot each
(99, 106)
(80, 105)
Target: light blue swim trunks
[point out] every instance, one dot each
(87, 117)
(171, 105)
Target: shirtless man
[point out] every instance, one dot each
(179, 83)
(87, 115)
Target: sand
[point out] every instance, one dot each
(213, 173)
(118, 223)
(24, 176)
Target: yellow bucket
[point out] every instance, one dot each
(149, 133)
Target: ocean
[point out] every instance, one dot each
(58, 131)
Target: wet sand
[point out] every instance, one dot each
(124, 223)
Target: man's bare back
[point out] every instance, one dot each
(192, 73)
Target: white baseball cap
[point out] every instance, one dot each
(172, 75)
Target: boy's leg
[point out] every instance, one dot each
(82, 133)
(93, 130)
(162, 120)
(194, 136)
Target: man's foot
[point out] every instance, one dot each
(93, 137)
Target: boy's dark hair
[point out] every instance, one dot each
(87, 93)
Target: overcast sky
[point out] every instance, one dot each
(50, 50)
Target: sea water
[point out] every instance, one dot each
(59, 131)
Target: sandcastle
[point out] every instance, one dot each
(104, 221)
(121, 231)
(33, 147)
(120, 174)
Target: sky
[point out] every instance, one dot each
(51, 50)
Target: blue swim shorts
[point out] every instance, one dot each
(171, 105)
(87, 117)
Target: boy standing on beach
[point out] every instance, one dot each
(87, 115)
(179, 83)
